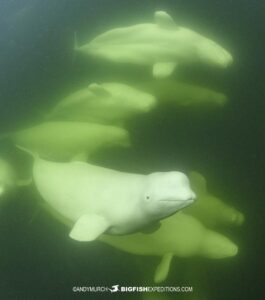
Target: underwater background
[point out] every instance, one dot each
(37, 66)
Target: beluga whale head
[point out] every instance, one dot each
(213, 54)
(167, 193)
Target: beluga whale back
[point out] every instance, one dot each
(98, 200)
(162, 45)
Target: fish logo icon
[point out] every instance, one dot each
(114, 289)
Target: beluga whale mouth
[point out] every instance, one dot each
(190, 200)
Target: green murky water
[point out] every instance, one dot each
(223, 142)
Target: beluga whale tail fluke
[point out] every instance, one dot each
(163, 45)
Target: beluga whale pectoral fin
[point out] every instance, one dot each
(164, 20)
(162, 270)
(88, 227)
(163, 69)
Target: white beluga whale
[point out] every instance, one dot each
(183, 94)
(179, 235)
(105, 103)
(98, 200)
(162, 45)
(66, 140)
(211, 210)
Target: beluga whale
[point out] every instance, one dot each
(107, 103)
(67, 140)
(179, 235)
(162, 44)
(182, 94)
(208, 208)
(97, 200)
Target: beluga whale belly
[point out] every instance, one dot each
(162, 45)
(98, 200)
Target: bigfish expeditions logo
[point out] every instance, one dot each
(114, 289)
(132, 289)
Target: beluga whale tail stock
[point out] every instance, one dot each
(98, 200)
(163, 45)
